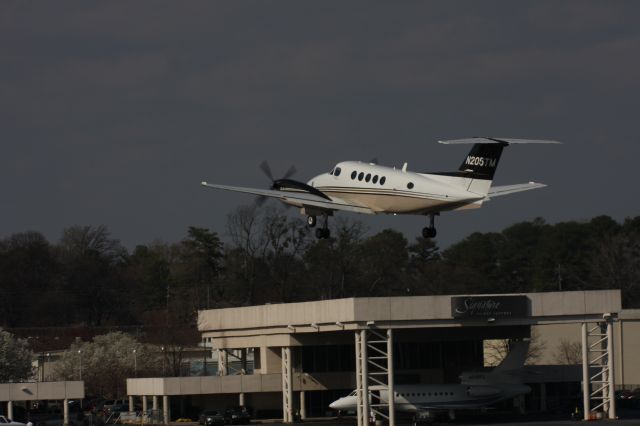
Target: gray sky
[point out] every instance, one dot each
(113, 112)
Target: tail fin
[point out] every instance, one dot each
(511, 369)
(479, 167)
(515, 358)
(482, 161)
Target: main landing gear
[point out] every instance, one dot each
(321, 233)
(430, 231)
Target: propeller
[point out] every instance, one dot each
(266, 169)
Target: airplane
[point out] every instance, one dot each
(476, 390)
(370, 188)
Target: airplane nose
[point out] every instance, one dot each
(335, 405)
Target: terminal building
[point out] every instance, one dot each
(294, 359)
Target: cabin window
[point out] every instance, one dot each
(338, 170)
(382, 180)
(375, 179)
(354, 174)
(409, 185)
(368, 178)
(361, 175)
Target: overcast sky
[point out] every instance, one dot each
(113, 112)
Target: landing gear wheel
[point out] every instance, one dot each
(311, 221)
(429, 232)
(322, 233)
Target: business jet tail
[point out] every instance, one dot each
(479, 166)
(509, 371)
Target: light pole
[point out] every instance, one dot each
(135, 364)
(163, 362)
(80, 355)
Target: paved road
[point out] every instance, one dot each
(484, 421)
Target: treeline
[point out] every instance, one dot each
(88, 278)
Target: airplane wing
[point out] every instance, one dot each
(297, 198)
(508, 141)
(496, 191)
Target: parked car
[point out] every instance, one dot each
(211, 417)
(238, 415)
(4, 421)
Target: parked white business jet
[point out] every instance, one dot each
(370, 188)
(476, 389)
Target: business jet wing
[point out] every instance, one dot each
(453, 406)
(297, 198)
(496, 191)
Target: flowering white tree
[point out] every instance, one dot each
(105, 363)
(15, 358)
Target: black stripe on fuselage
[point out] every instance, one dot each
(384, 192)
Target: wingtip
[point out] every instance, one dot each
(203, 183)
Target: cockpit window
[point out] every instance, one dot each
(337, 172)
(331, 172)
(354, 393)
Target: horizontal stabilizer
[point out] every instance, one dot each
(507, 141)
(511, 189)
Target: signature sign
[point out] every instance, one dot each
(488, 306)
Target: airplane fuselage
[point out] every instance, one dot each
(389, 190)
(412, 398)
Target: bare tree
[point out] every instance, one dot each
(568, 352)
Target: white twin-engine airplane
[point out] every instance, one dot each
(370, 188)
(476, 390)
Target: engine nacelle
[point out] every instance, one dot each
(483, 391)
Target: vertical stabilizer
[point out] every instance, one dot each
(482, 160)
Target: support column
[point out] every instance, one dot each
(390, 381)
(358, 351)
(144, 403)
(241, 399)
(165, 409)
(611, 376)
(155, 402)
(287, 390)
(222, 362)
(65, 411)
(131, 410)
(543, 397)
(10, 409)
(586, 393)
(243, 360)
(364, 371)
(303, 405)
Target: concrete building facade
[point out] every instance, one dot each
(307, 354)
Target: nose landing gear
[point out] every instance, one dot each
(311, 221)
(430, 231)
